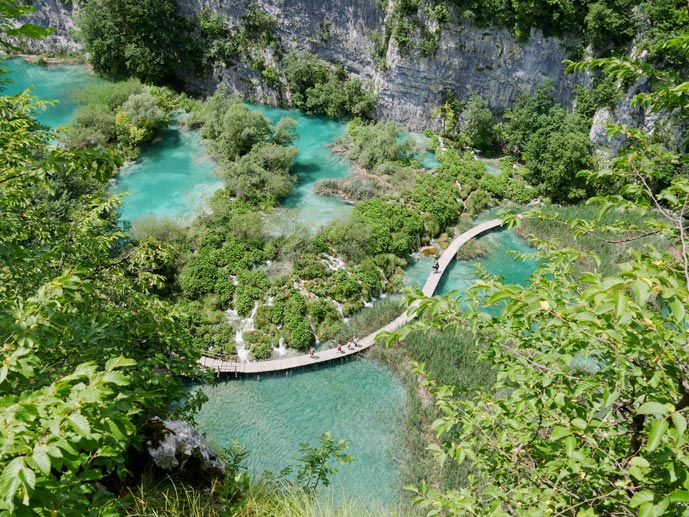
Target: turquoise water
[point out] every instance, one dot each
(461, 274)
(174, 178)
(52, 82)
(430, 161)
(357, 400)
(303, 207)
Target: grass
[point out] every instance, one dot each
(370, 319)
(450, 358)
(169, 498)
(284, 500)
(158, 497)
(610, 253)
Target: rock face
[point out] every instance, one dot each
(469, 59)
(176, 446)
(59, 16)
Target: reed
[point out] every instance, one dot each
(611, 253)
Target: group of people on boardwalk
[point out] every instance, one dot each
(350, 345)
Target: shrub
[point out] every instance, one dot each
(198, 276)
(261, 351)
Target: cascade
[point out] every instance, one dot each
(280, 350)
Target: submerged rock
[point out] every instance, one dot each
(176, 446)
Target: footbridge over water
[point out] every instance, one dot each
(256, 367)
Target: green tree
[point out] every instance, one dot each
(477, 122)
(147, 39)
(75, 298)
(232, 127)
(588, 413)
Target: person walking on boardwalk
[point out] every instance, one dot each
(436, 267)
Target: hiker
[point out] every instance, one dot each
(436, 267)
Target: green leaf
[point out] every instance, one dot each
(559, 432)
(677, 309)
(655, 435)
(40, 457)
(645, 496)
(579, 423)
(639, 462)
(119, 362)
(680, 423)
(117, 378)
(654, 408)
(80, 424)
(679, 496)
(10, 482)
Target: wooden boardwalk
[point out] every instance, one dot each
(331, 354)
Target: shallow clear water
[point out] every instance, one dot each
(314, 162)
(461, 274)
(357, 400)
(174, 178)
(51, 82)
(493, 167)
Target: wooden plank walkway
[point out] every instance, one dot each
(331, 354)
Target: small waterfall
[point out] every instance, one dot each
(281, 350)
(241, 326)
(338, 307)
(313, 331)
(333, 263)
(242, 353)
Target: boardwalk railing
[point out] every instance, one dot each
(220, 366)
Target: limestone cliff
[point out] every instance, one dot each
(57, 15)
(469, 59)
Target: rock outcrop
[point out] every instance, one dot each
(58, 16)
(176, 446)
(469, 59)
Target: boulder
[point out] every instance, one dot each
(176, 446)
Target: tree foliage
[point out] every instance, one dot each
(147, 39)
(554, 144)
(588, 413)
(319, 87)
(75, 299)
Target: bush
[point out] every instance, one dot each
(162, 228)
(139, 120)
(261, 351)
(300, 335)
(262, 175)
(198, 276)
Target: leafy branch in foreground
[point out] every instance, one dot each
(588, 415)
(315, 469)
